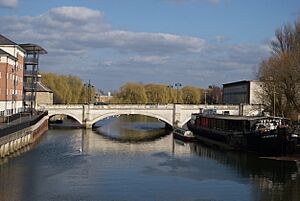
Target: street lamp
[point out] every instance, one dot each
(274, 101)
(205, 92)
(89, 92)
(170, 87)
(177, 85)
(271, 80)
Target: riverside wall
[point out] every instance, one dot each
(12, 142)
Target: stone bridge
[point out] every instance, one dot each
(175, 115)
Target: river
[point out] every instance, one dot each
(133, 158)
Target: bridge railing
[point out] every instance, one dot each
(112, 106)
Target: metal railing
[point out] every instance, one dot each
(30, 73)
(21, 123)
(31, 60)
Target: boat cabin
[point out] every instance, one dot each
(238, 123)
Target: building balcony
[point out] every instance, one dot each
(29, 87)
(30, 73)
(31, 61)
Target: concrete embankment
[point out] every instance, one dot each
(21, 134)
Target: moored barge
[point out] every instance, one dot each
(184, 135)
(260, 134)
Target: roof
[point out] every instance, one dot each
(6, 41)
(33, 48)
(42, 88)
(2, 52)
(236, 83)
(236, 117)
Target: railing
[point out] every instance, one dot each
(12, 114)
(121, 106)
(29, 85)
(31, 60)
(24, 122)
(30, 73)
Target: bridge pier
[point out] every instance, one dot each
(87, 125)
(86, 116)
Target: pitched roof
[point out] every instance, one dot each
(6, 41)
(42, 88)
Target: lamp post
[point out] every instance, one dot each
(271, 80)
(177, 85)
(205, 92)
(274, 101)
(89, 92)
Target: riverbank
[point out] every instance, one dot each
(21, 133)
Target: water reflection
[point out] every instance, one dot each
(82, 164)
(274, 180)
(131, 128)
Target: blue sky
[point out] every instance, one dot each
(110, 42)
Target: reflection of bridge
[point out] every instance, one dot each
(174, 115)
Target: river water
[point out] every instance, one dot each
(133, 158)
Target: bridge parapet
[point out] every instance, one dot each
(172, 114)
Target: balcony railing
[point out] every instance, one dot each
(29, 86)
(30, 73)
(31, 61)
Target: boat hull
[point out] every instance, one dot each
(184, 138)
(277, 142)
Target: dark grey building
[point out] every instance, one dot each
(242, 92)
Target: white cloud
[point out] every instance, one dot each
(150, 59)
(79, 39)
(77, 28)
(137, 60)
(9, 3)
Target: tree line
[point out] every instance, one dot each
(138, 93)
(72, 90)
(280, 73)
(68, 89)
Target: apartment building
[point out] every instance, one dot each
(11, 76)
(19, 73)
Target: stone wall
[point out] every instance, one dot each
(22, 138)
(44, 98)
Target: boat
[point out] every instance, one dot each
(264, 135)
(184, 135)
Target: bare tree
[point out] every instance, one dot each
(281, 72)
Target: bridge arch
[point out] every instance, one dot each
(50, 114)
(101, 117)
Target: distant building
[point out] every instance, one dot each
(43, 94)
(101, 98)
(242, 92)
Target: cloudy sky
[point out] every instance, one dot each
(111, 42)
